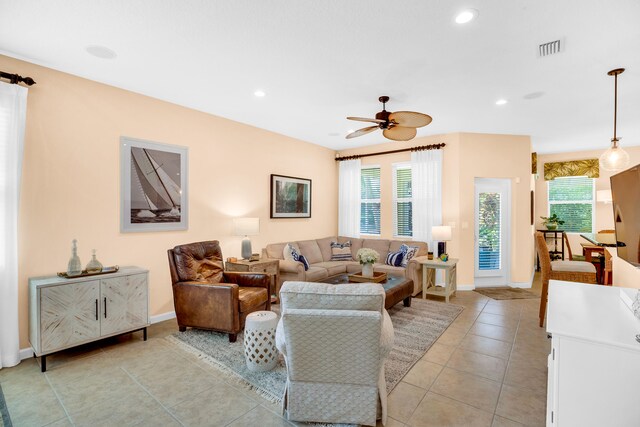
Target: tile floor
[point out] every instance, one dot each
(487, 369)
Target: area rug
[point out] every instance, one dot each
(507, 293)
(416, 329)
(5, 420)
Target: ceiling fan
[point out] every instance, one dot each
(398, 126)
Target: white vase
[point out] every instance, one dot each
(367, 270)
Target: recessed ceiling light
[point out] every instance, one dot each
(533, 95)
(100, 51)
(259, 93)
(466, 15)
(501, 101)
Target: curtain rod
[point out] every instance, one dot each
(420, 148)
(15, 79)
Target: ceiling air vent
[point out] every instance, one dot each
(550, 48)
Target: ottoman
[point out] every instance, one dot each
(260, 349)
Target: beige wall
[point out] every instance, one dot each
(466, 157)
(70, 185)
(604, 211)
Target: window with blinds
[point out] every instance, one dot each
(489, 230)
(370, 200)
(572, 198)
(402, 201)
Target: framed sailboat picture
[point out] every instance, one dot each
(153, 186)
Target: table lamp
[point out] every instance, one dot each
(441, 234)
(246, 227)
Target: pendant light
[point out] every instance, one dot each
(615, 158)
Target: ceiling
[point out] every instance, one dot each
(320, 61)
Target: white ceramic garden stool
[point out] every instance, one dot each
(260, 349)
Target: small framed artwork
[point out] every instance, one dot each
(290, 197)
(153, 186)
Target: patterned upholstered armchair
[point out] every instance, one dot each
(207, 297)
(335, 340)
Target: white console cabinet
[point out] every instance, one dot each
(594, 365)
(64, 313)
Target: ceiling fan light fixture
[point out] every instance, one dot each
(615, 158)
(466, 16)
(259, 93)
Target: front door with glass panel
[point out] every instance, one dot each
(492, 206)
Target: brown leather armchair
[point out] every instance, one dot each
(207, 297)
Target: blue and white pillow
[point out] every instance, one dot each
(395, 258)
(341, 251)
(300, 258)
(408, 252)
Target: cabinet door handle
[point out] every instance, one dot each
(96, 308)
(105, 307)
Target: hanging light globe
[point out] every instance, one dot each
(615, 158)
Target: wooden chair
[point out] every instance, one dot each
(570, 271)
(572, 257)
(608, 269)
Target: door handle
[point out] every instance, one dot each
(96, 308)
(105, 307)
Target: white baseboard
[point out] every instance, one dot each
(26, 353)
(466, 287)
(162, 317)
(524, 285)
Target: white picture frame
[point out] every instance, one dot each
(154, 182)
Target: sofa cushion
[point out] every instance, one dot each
(315, 274)
(353, 267)
(310, 250)
(356, 244)
(341, 251)
(379, 245)
(333, 267)
(394, 246)
(389, 269)
(325, 247)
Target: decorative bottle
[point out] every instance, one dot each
(74, 268)
(94, 266)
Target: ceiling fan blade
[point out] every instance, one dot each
(362, 119)
(361, 132)
(400, 133)
(410, 119)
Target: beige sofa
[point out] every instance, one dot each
(318, 253)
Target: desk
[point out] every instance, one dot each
(601, 239)
(429, 278)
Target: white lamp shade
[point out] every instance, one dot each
(246, 226)
(604, 196)
(441, 233)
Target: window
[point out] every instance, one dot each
(402, 202)
(370, 200)
(571, 198)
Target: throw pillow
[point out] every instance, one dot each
(408, 252)
(395, 258)
(295, 256)
(287, 252)
(341, 251)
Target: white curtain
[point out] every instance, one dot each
(13, 111)
(349, 199)
(426, 189)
